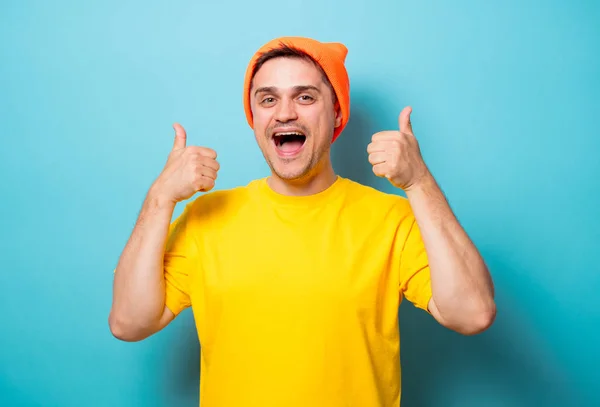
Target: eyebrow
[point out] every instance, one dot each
(297, 89)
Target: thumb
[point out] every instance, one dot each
(180, 137)
(404, 120)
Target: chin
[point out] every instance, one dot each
(291, 167)
(291, 172)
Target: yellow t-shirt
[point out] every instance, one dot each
(296, 298)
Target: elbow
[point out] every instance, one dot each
(480, 322)
(123, 330)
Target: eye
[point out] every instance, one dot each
(268, 100)
(306, 98)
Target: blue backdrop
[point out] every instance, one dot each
(505, 100)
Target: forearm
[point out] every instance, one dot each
(462, 288)
(139, 285)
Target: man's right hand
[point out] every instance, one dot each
(189, 169)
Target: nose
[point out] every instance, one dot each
(286, 111)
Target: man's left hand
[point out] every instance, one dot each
(396, 156)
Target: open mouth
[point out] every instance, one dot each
(289, 142)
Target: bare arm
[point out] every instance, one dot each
(138, 306)
(462, 289)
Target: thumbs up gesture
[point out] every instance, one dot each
(396, 156)
(189, 169)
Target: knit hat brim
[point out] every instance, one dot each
(330, 56)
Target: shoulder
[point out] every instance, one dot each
(382, 213)
(370, 197)
(218, 203)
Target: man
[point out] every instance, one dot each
(295, 279)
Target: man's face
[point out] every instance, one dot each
(294, 116)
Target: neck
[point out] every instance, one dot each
(310, 184)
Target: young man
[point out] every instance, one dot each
(295, 280)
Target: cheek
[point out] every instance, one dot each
(323, 120)
(260, 118)
(314, 118)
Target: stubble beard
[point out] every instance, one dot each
(310, 163)
(278, 165)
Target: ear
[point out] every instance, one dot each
(338, 115)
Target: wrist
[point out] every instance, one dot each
(156, 198)
(422, 184)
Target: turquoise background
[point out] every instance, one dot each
(505, 100)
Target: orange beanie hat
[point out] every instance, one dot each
(330, 56)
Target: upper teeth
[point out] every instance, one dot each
(289, 134)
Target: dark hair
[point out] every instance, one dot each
(285, 51)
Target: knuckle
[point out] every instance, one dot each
(208, 152)
(195, 166)
(208, 185)
(198, 183)
(205, 160)
(207, 172)
(192, 156)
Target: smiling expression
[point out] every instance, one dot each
(294, 116)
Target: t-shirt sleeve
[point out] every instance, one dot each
(415, 278)
(180, 259)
